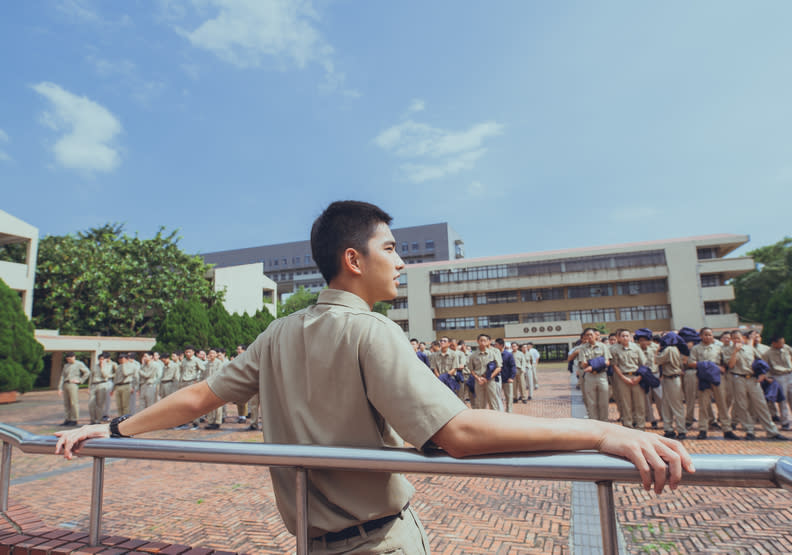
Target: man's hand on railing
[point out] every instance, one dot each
(69, 441)
(650, 453)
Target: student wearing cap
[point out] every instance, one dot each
(350, 352)
(73, 374)
(690, 389)
(710, 351)
(100, 385)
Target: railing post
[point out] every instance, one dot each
(302, 511)
(5, 477)
(607, 509)
(97, 488)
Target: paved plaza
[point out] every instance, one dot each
(232, 508)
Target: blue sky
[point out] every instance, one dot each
(526, 125)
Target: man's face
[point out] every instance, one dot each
(726, 339)
(590, 337)
(707, 337)
(381, 267)
(212, 355)
(201, 354)
(515, 347)
(156, 356)
(612, 339)
(624, 338)
(414, 345)
(188, 353)
(175, 357)
(644, 342)
(240, 350)
(779, 343)
(483, 343)
(737, 338)
(444, 344)
(524, 348)
(145, 359)
(71, 359)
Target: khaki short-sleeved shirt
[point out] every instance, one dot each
(780, 360)
(213, 367)
(170, 371)
(712, 353)
(444, 362)
(191, 369)
(743, 361)
(519, 360)
(126, 373)
(76, 371)
(477, 363)
(461, 359)
(339, 374)
(148, 374)
(588, 351)
(628, 358)
(649, 356)
(671, 360)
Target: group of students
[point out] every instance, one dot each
(495, 376)
(138, 385)
(747, 380)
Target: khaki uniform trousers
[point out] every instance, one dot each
(750, 401)
(785, 382)
(706, 416)
(71, 401)
(508, 392)
(255, 410)
(488, 395)
(633, 402)
(166, 388)
(123, 393)
(148, 396)
(97, 400)
(519, 385)
(404, 535)
(690, 393)
(673, 410)
(595, 395)
(242, 409)
(464, 391)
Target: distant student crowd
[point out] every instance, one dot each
(747, 381)
(137, 385)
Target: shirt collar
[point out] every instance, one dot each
(342, 298)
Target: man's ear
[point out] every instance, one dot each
(351, 261)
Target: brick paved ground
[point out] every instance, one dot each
(232, 508)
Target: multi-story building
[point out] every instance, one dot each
(18, 270)
(290, 265)
(547, 297)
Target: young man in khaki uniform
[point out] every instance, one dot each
(100, 383)
(191, 370)
(779, 357)
(213, 365)
(519, 379)
(710, 351)
(74, 373)
(147, 381)
(126, 381)
(169, 383)
(595, 383)
(626, 357)
(487, 390)
(350, 352)
(670, 358)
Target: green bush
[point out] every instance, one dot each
(20, 354)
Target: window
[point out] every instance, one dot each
(456, 275)
(404, 247)
(400, 302)
(429, 245)
(307, 259)
(540, 317)
(707, 253)
(415, 245)
(497, 297)
(466, 323)
(459, 250)
(593, 315)
(497, 321)
(449, 301)
(275, 262)
(710, 280)
(402, 324)
(656, 312)
(641, 287)
(586, 291)
(283, 261)
(550, 294)
(402, 279)
(713, 308)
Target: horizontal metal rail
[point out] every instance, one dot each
(759, 471)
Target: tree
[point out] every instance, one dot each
(102, 281)
(381, 307)
(225, 331)
(777, 318)
(187, 323)
(20, 353)
(302, 298)
(759, 294)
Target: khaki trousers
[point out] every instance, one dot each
(690, 392)
(71, 401)
(508, 392)
(122, 394)
(148, 396)
(785, 382)
(97, 401)
(488, 396)
(706, 417)
(750, 401)
(633, 403)
(255, 410)
(404, 535)
(166, 388)
(519, 385)
(673, 411)
(595, 395)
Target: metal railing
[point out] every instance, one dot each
(758, 471)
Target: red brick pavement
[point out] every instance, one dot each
(232, 507)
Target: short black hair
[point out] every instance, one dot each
(344, 224)
(483, 335)
(500, 341)
(68, 354)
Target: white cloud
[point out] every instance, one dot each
(434, 152)
(4, 156)
(125, 73)
(247, 33)
(417, 105)
(476, 189)
(85, 11)
(88, 130)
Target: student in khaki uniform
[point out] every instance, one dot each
(99, 384)
(147, 381)
(126, 381)
(626, 357)
(463, 373)
(779, 357)
(361, 356)
(444, 361)
(643, 338)
(530, 370)
(710, 351)
(670, 359)
(190, 370)
(169, 383)
(487, 390)
(595, 384)
(213, 365)
(519, 379)
(74, 373)
(111, 386)
(748, 395)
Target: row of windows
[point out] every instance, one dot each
(655, 312)
(711, 280)
(582, 264)
(553, 293)
(400, 302)
(429, 245)
(295, 261)
(715, 307)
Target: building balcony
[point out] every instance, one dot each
(719, 293)
(15, 275)
(729, 267)
(397, 314)
(728, 321)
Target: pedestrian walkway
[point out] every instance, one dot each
(232, 508)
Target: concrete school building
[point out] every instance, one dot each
(290, 265)
(19, 274)
(548, 297)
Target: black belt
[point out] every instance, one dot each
(354, 531)
(166, 381)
